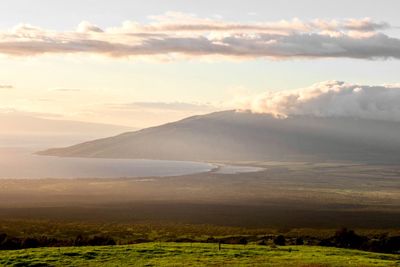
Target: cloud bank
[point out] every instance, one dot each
(6, 86)
(331, 99)
(168, 106)
(174, 35)
(66, 90)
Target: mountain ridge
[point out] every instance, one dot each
(231, 135)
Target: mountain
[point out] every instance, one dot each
(230, 135)
(21, 130)
(17, 123)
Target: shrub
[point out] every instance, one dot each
(30, 242)
(299, 241)
(348, 239)
(280, 240)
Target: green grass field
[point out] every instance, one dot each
(196, 254)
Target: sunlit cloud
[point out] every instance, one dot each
(330, 99)
(18, 112)
(6, 86)
(167, 106)
(66, 90)
(177, 35)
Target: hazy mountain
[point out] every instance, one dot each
(233, 135)
(21, 130)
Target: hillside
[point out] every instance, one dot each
(231, 135)
(196, 254)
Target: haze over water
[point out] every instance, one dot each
(21, 163)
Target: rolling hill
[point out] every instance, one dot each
(233, 136)
(196, 254)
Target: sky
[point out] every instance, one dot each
(142, 63)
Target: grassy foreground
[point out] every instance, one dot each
(196, 254)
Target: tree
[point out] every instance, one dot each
(280, 240)
(345, 238)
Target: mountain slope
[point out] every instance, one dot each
(231, 135)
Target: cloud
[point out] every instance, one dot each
(167, 106)
(175, 35)
(66, 90)
(87, 27)
(144, 114)
(17, 113)
(6, 86)
(331, 99)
